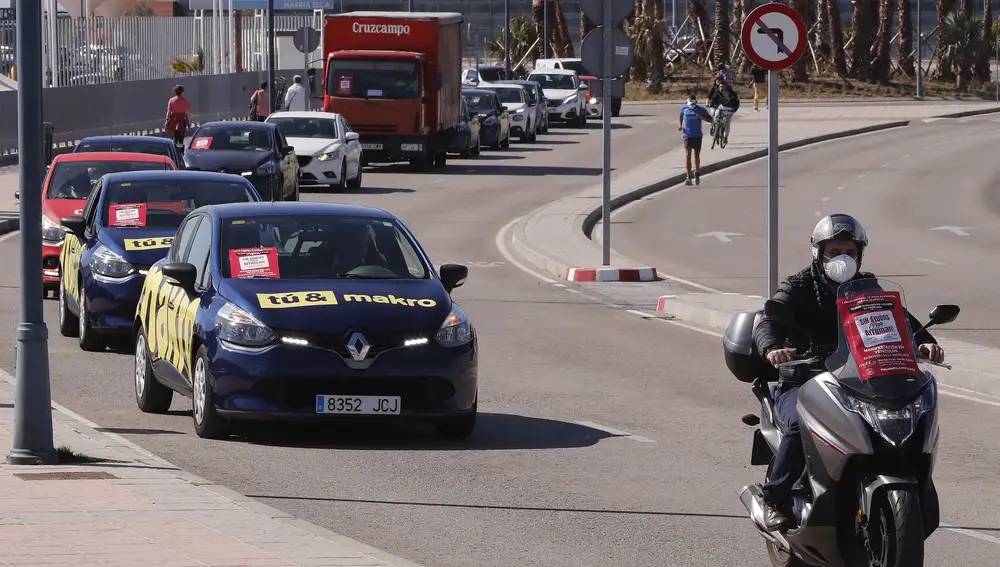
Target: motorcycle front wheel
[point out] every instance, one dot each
(895, 532)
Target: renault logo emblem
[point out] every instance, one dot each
(358, 346)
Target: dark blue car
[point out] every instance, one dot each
(128, 223)
(136, 144)
(304, 311)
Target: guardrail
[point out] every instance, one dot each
(132, 107)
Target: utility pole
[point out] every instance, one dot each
(920, 57)
(545, 29)
(272, 90)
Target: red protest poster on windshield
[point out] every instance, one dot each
(247, 263)
(875, 325)
(132, 214)
(201, 143)
(345, 85)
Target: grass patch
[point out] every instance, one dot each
(68, 456)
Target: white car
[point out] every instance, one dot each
(523, 116)
(565, 93)
(329, 152)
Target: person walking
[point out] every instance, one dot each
(178, 118)
(759, 83)
(297, 97)
(690, 124)
(260, 104)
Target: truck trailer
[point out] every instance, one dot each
(396, 78)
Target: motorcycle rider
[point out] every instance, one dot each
(838, 246)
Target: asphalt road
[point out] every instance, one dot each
(903, 184)
(533, 487)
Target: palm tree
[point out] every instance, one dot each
(538, 17)
(698, 14)
(647, 38)
(961, 38)
(821, 37)
(863, 24)
(799, 70)
(944, 8)
(836, 37)
(983, 61)
(906, 38)
(586, 26)
(522, 38)
(882, 56)
(720, 53)
(562, 45)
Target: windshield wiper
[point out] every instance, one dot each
(360, 277)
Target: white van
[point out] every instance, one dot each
(575, 64)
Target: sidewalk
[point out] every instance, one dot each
(132, 508)
(554, 237)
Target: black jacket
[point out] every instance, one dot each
(716, 98)
(809, 295)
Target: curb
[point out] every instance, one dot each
(969, 113)
(114, 442)
(8, 225)
(610, 274)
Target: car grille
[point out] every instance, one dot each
(300, 394)
(304, 160)
(338, 343)
(378, 128)
(553, 103)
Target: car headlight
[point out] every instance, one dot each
(269, 168)
(894, 424)
(571, 98)
(330, 155)
(456, 329)
(236, 326)
(52, 232)
(108, 263)
(593, 100)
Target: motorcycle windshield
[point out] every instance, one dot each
(876, 357)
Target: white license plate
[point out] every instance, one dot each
(358, 405)
(411, 147)
(371, 146)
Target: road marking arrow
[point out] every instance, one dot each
(959, 230)
(721, 235)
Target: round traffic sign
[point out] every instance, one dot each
(592, 52)
(774, 36)
(306, 39)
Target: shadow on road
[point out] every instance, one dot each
(138, 431)
(495, 156)
(533, 170)
(501, 507)
(494, 432)
(567, 132)
(361, 191)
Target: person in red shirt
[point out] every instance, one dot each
(178, 116)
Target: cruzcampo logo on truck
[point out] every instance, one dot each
(381, 29)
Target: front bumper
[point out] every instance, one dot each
(312, 171)
(112, 304)
(596, 110)
(50, 265)
(384, 149)
(564, 112)
(282, 382)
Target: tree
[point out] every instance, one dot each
(836, 37)
(821, 35)
(863, 24)
(906, 38)
(881, 55)
(650, 40)
(983, 61)
(698, 14)
(139, 10)
(961, 38)
(586, 26)
(720, 51)
(562, 45)
(944, 8)
(522, 37)
(799, 69)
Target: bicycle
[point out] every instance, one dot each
(720, 130)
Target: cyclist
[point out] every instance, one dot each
(722, 99)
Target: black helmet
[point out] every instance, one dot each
(838, 226)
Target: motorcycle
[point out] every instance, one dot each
(869, 426)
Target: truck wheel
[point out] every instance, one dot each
(419, 163)
(441, 160)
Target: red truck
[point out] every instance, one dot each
(396, 78)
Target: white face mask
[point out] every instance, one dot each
(841, 268)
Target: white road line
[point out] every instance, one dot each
(9, 235)
(862, 175)
(824, 199)
(502, 247)
(906, 156)
(840, 188)
(970, 533)
(817, 214)
(886, 164)
(929, 261)
(613, 431)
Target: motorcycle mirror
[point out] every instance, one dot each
(943, 314)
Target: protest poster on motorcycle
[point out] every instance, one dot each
(875, 325)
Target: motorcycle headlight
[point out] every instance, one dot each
(894, 424)
(52, 232)
(109, 264)
(237, 327)
(269, 168)
(456, 329)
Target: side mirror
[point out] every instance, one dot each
(352, 136)
(453, 275)
(180, 274)
(76, 225)
(943, 314)
(287, 150)
(582, 88)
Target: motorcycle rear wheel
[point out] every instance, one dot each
(777, 556)
(896, 531)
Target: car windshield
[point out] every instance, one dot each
(876, 356)
(240, 138)
(478, 102)
(553, 81)
(509, 95)
(492, 75)
(321, 247)
(292, 127)
(372, 78)
(75, 179)
(164, 203)
(575, 66)
(135, 146)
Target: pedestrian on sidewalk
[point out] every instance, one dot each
(260, 104)
(297, 97)
(759, 82)
(690, 125)
(178, 118)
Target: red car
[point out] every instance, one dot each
(64, 193)
(595, 106)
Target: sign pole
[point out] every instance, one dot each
(32, 391)
(606, 118)
(271, 87)
(772, 182)
(545, 29)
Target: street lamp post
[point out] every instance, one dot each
(32, 397)
(272, 91)
(920, 57)
(545, 29)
